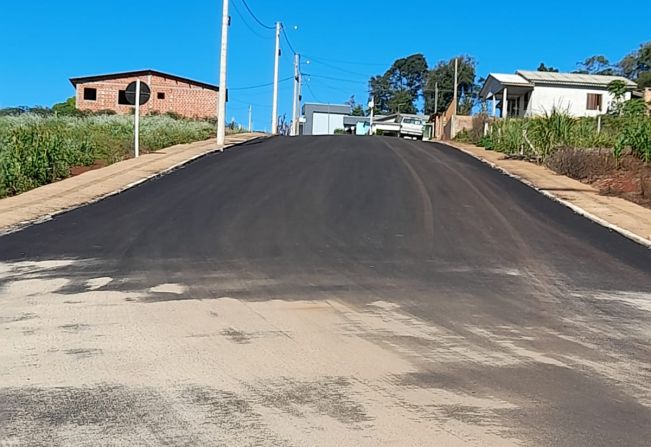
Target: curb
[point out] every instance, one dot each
(47, 217)
(575, 208)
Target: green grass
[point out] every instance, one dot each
(36, 150)
(538, 138)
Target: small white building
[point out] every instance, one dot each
(323, 119)
(534, 93)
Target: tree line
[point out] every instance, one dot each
(410, 84)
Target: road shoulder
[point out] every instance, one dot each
(43, 203)
(627, 218)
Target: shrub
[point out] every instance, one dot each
(540, 137)
(36, 150)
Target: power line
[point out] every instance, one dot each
(291, 47)
(246, 5)
(335, 79)
(339, 61)
(309, 87)
(241, 16)
(343, 70)
(268, 84)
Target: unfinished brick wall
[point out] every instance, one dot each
(167, 95)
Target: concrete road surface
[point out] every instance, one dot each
(325, 291)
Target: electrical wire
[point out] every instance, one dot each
(246, 23)
(309, 88)
(339, 61)
(291, 47)
(246, 5)
(335, 79)
(343, 70)
(268, 84)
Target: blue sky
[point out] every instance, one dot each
(47, 42)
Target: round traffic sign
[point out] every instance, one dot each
(130, 93)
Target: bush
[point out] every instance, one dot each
(581, 164)
(36, 150)
(540, 137)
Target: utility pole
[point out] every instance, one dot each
(371, 106)
(300, 97)
(250, 118)
(456, 82)
(221, 111)
(274, 108)
(295, 104)
(436, 98)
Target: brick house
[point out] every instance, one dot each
(169, 93)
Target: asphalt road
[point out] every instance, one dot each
(325, 291)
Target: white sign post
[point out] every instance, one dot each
(137, 94)
(136, 143)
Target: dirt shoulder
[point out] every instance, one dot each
(42, 203)
(616, 213)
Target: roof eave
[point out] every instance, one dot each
(117, 75)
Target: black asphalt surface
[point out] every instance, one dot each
(454, 242)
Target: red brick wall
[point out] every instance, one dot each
(180, 97)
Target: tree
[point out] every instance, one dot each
(402, 101)
(618, 89)
(400, 86)
(68, 107)
(543, 67)
(356, 109)
(596, 65)
(443, 75)
(644, 79)
(634, 64)
(380, 93)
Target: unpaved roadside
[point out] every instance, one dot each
(617, 214)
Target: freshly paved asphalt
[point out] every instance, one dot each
(458, 247)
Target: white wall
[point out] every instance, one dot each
(322, 125)
(573, 100)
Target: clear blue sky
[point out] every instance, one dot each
(46, 42)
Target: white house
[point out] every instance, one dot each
(531, 93)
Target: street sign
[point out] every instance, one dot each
(130, 93)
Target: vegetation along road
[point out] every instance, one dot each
(356, 291)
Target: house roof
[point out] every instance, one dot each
(495, 82)
(353, 120)
(395, 116)
(511, 79)
(546, 77)
(130, 74)
(332, 109)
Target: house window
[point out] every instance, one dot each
(122, 98)
(594, 101)
(161, 95)
(90, 94)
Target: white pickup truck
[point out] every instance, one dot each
(411, 127)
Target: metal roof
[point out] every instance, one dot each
(352, 120)
(514, 79)
(546, 77)
(333, 109)
(130, 74)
